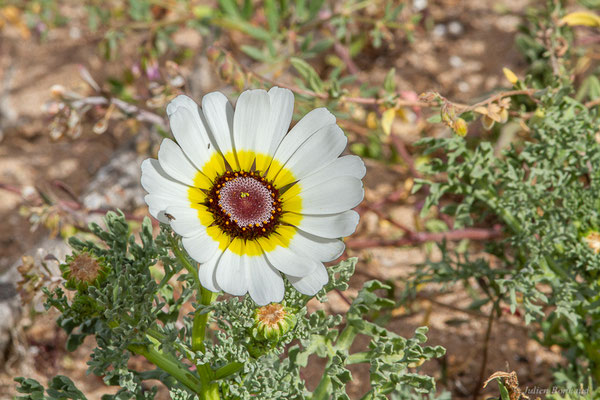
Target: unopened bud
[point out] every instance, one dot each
(213, 54)
(510, 76)
(460, 127)
(272, 321)
(83, 270)
(503, 115)
(592, 239)
(239, 80)
(226, 70)
(57, 91)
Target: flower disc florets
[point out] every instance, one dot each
(244, 204)
(82, 270)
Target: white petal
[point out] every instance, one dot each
(207, 275)
(175, 163)
(265, 284)
(311, 283)
(250, 124)
(157, 206)
(192, 136)
(319, 150)
(185, 220)
(343, 166)
(330, 226)
(218, 113)
(156, 181)
(183, 101)
(282, 109)
(200, 246)
(305, 128)
(333, 196)
(316, 247)
(231, 273)
(290, 262)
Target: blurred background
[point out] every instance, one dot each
(83, 90)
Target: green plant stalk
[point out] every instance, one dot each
(157, 335)
(201, 320)
(228, 370)
(322, 391)
(344, 342)
(174, 368)
(210, 391)
(346, 338)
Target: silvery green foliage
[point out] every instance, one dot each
(132, 309)
(545, 191)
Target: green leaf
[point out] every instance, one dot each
(308, 73)
(435, 119)
(389, 84)
(272, 15)
(249, 29)
(503, 391)
(254, 52)
(230, 8)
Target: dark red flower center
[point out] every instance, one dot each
(247, 200)
(244, 204)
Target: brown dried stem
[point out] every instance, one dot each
(414, 238)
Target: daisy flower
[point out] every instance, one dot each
(252, 200)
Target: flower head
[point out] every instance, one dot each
(251, 200)
(83, 269)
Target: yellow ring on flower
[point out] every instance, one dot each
(291, 202)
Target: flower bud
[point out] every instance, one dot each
(510, 76)
(503, 115)
(239, 80)
(460, 127)
(592, 239)
(83, 270)
(57, 91)
(272, 321)
(226, 70)
(213, 54)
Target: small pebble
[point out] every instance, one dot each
(439, 30)
(455, 28)
(463, 86)
(455, 61)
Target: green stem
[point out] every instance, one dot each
(228, 370)
(174, 368)
(346, 338)
(343, 343)
(210, 390)
(358, 358)
(322, 391)
(158, 336)
(201, 320)
(184, 261)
